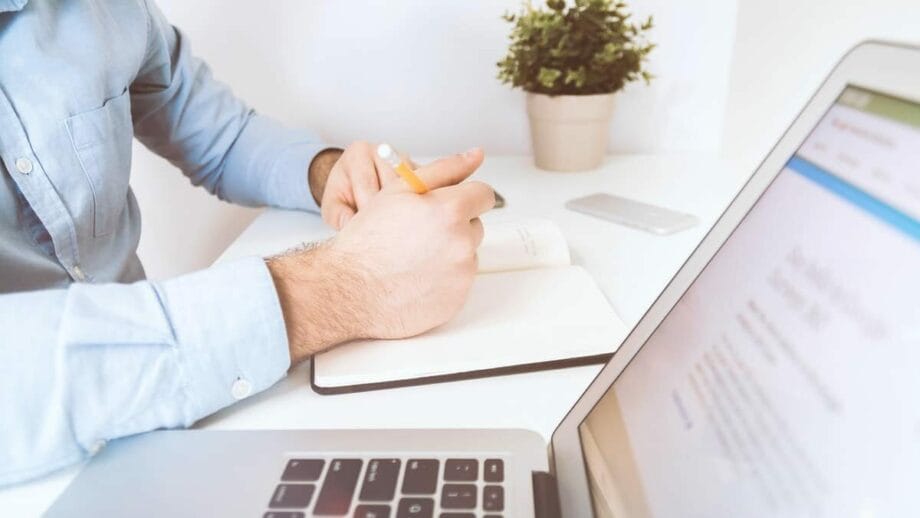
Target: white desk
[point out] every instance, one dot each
(631, 267)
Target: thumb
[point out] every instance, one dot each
(336, 213)
(450, 170)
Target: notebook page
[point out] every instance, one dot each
(510, 318)
(519, 244)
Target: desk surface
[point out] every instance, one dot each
(631, 267)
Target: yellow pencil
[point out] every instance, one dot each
(390, 156)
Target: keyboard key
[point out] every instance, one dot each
(292, 495)
(338, 488)
(303, 470)
(421, 477)
(415, 508)
(380, 480)
(461, 470)
(372, 511)
(493, 498)
(456, 515)
(284, 514)
(494, 470)
(458, 496)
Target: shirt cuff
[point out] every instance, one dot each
(231, 333)
(290, 187)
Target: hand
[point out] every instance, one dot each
(343, 183)
(403, 265)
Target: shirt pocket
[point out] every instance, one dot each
(102, 141)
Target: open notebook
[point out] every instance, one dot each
(529, 309)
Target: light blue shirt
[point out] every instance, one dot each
(89, 351)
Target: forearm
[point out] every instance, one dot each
(323, 296)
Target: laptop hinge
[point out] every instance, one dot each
(545, 495)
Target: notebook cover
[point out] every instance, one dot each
(459, 376)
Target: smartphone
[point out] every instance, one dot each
(632, 213)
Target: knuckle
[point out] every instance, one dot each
(454, 210)
(359, 146)
(464, 252)
(442, 212)
(457, 252)
(486, 192)
(472, 265)
(431, 209)
(478, 238)
(491, 195)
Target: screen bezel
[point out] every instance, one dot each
(882, 67)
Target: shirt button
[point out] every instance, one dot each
(96, 447)
(24, 165)
(241, 388)
(78, 274)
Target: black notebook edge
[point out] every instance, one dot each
(459, 376)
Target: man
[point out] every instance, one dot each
(86, 357)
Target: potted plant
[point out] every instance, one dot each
(571, 59)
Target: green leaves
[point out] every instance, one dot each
(548, 76)
(590, 47)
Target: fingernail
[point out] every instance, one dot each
(470, 153)
(343, 219)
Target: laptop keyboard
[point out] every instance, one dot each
(390, 488)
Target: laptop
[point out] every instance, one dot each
(778, 374)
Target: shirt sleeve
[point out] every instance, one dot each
(89, 363)
(183, 114)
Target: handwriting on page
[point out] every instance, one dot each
(521, 245)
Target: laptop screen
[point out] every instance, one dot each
(786, 380)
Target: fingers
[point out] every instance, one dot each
(478, 232)
(450, 170)
(408, 160)
(337, 212)
(363, 176)
(385, 173)
(471, 199)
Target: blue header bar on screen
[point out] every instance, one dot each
(859, 198)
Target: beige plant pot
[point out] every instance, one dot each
(569, 132)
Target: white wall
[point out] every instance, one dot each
(418, 73)
(785, 48)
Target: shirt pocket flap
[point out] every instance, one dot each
(101, 140)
